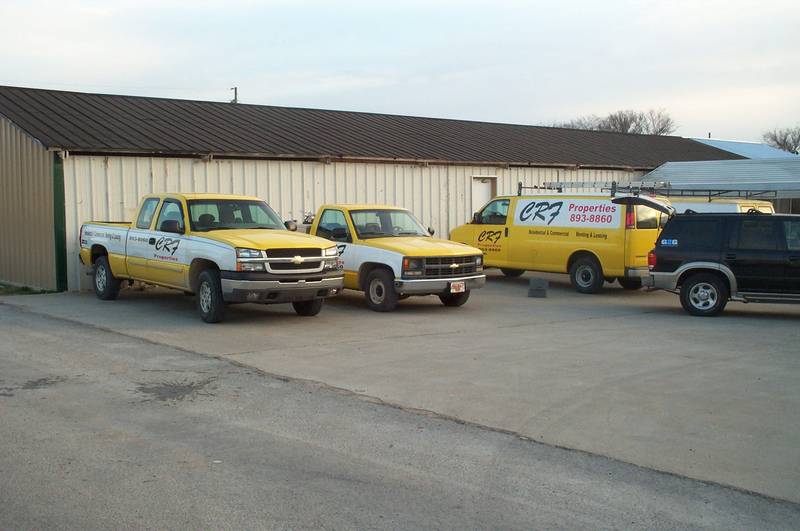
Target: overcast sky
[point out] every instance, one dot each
(728, 67)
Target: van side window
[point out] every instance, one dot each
(146, 214)
(755, 235)
(330, 221)
(495, 213)
(792, 230)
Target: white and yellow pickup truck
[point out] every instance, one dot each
(389, 256)
(221, 248)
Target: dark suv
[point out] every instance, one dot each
(711, 258)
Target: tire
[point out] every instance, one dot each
(704, 294)
(106, 285)
(454, 299)
(586, 275)
(630, 283)
(512, 273)
(210, 304)
(308, 308)
(379, 291)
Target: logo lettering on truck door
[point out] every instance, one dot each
(491, 236)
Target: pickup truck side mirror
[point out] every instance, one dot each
(171, 225)
(290, 225)
(339, 234)
(431, 231)
(476, 218)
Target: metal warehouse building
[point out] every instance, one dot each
(68, 157)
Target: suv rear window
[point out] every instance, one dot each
(755, 235)
(693, 233)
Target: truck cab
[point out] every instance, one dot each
(387, 254)
(221, 248)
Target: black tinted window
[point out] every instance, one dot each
(692, 234)
(755, 235)
(792, 231)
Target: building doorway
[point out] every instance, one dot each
(484, 188)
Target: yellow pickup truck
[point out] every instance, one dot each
(387, 254)
(221, 248)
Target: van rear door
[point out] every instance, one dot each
(644, 217)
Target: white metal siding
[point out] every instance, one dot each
(27, 244)
(109, 188)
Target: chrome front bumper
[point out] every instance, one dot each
(428, 286)
(275, 291)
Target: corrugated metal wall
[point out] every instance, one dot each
(109, 188)
(27, 252)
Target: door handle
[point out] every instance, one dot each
(506, 232)
(152, 241)
(730, 256)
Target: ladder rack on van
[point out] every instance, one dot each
(661, 188)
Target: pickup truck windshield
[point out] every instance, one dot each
(221, 214)
(384, 223)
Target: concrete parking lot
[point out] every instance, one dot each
(622, 374)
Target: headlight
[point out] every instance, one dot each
(248, 253)
(331, 251)
(412, 263)
(250, 266)
(479, 260)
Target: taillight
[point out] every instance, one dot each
(651, 260)
(630, 218)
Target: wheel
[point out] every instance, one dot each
(512, 273)
(586, 275)
(106, 285)
(379, 291)
(308, 308)
(454, 299)
(630, 283)
(704, 294)
(210, 304)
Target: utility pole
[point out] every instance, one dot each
(235, 94)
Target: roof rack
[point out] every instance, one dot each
(657, 188)
(545, 186)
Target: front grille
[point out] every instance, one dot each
(442, 267)
(291, 253)
(288, 266)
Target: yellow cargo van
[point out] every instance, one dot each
(594, 238)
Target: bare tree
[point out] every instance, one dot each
(787, 139)
(652, 122)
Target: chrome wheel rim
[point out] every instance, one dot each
(100, 279)
(584, 276)
(703, 296)
(205, 297)
(377, 291)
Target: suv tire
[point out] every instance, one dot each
(210, 304)
(379, 291)
(630, 283)
(586, 275)
(308, 308)
(106, 285)
(512, 273)
(704, 294)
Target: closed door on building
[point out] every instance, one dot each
(484, 188)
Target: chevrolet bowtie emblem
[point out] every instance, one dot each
(453, 266)
(297, 260)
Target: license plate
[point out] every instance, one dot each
(458, 287)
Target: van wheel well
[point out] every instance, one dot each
(198, 266)
(574, 257)
(366, 267)
(97, 252)
(686, 274)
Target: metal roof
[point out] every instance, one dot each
(100, 123)
(781, 175)
(750, 150)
